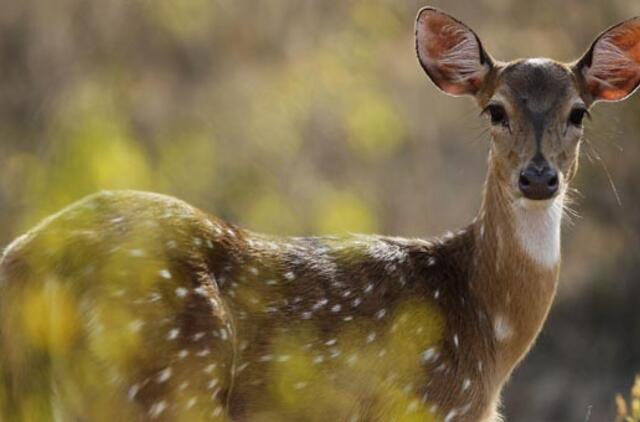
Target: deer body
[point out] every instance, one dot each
(177, 315)
(265, 294)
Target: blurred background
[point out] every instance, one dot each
(309, 117)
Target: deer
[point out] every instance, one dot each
(139, 306)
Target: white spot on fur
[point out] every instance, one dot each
(166, 274)
(430, 354)
(300, 385)
(413, 406)
(502, 329)
(136, 252)
(173, 334)
(319, 304)
(157, 408)
(164, 375)
(133, 391)
(136, 325)
(452, 414)
(538, 229)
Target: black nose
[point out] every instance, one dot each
(538, 182)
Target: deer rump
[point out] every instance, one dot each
(134, 305)
(105, 314)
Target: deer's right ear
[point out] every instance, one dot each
(451, 53)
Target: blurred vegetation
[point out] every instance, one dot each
(629, 411)
(311, 117)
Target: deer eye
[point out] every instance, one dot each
(577, 115)
(498, 114)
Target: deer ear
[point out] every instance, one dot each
(610, 68)
(451, 53)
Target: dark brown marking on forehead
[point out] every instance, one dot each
(539, 83)
(539, 86)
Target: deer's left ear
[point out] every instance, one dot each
(610, 69)
(451, 53)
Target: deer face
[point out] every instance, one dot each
(536, 114)
(535, 106)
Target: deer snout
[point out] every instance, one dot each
(538, 181)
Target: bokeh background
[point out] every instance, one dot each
(309, 117)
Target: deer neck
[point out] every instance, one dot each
(516, 264)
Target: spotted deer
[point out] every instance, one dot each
(138, 306)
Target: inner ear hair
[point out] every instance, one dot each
(610, 69)
(450, 53)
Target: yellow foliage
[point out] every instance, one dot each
(374, 127)
(376, 19)
(350, 377)
(187, 165)
(91, 150)
(271, 213)
(341, 212)
(111, 339)
(629, 411)
(416, 326)
(183, 18)
(50, 317)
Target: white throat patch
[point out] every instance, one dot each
(538, 229)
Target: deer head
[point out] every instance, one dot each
(536, 106)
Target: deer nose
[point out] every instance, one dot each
(538, 182)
